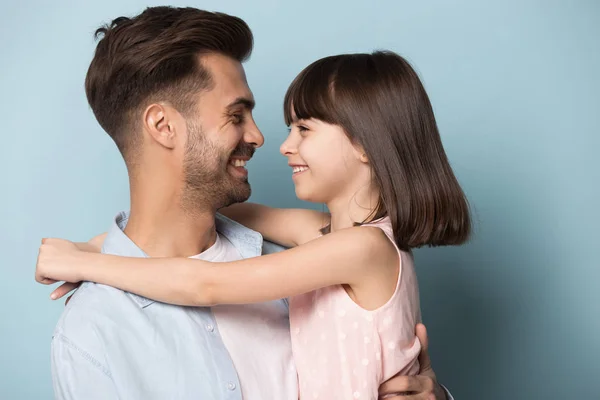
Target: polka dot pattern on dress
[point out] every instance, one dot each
(341, 350)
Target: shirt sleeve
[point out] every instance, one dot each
(76, 374)
(448, 395)
(270, 247)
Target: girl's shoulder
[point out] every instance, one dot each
(372, 243)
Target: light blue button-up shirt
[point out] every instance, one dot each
(110, 344)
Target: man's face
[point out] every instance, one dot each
(222, 136)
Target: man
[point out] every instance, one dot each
(168, 86)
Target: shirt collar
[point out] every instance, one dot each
(248, 242)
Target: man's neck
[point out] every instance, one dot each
(159, 223)
(169, 231)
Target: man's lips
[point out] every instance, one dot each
(238, 161)
(238, 165)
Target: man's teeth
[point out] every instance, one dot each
(237, 163)
(299, 169)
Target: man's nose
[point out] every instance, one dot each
(253, 135)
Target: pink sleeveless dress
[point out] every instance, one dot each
(343, 351)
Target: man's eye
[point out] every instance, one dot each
(237, 119)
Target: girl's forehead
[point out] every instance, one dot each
(295, 118)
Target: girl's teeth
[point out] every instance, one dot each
(299, 169)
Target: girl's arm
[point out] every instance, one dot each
(350, 256)
(94, 245)
(288, 227)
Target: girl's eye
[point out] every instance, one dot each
(301, 130)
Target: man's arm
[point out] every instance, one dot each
(77, 375)
(447, 393)
(420, 387)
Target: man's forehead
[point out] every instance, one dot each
(229, 80)
(220, 66)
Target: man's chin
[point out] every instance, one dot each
(240, 192)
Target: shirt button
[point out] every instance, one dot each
(210, 328)
(231, 386)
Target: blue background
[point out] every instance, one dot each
(515, 86)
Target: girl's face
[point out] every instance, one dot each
(326, 167)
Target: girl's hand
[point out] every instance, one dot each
(58, 260)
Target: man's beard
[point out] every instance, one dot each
(207, 181)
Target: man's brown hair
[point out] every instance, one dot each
(154, 57)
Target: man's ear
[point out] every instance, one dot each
(160, 125)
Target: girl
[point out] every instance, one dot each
(363, 140)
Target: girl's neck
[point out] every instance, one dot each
(349, 210)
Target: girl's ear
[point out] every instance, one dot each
(360, 154)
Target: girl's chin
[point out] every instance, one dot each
(308, 195)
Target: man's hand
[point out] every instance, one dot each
(420, 387)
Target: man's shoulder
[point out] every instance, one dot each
(93, 309)
(244, 239)
(270, 247)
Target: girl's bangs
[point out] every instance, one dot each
(310, 95)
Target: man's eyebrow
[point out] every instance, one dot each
(246, 102)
